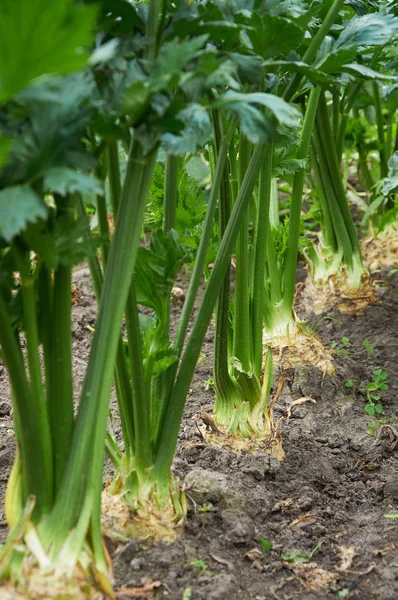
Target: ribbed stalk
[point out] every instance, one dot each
(141, 392)
(32, 425)
(380, 131)
(170, 193)
(225, 387)
(329, 238)
(338, 225)
(122, 383)
(169, 432)
(262, 233)
(242, 337)
(324, 131)
(84, 468)
(289, 274)
(113, 172)
(60, 404)
(197, 274)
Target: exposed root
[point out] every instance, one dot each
(299, 347)
(219, 437)
(337, 292)
(381, 250)
(146, 519)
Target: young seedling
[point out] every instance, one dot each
(372, 426)
(350, 383)
(342, 347)
(379, 383)
(266, 545)
(297, 556)
(368, 347)
(201, 565)
(345, 346)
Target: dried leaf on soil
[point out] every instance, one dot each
(346, 554)
(147, 589)
(313, 577)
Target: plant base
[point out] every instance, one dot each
(37, 584)
(337, 292)
(218, 436)
(298, 347)
(142, 518)
(382, 250)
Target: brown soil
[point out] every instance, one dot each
(331, 491)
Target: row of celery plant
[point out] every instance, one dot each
(53, 496)
(70, 452)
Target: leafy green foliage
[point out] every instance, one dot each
(271, 36)
(156, 270)
(64, 180)
(391, 182)
(55, 44)
(196, 132)
(19, 205)
(156, 347)
(368, 30)
(172, 59)
(254, 124)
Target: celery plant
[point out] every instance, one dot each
(161, 369)
(265, 278)
(337, 258)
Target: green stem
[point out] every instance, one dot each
(313, 48)
(289, 271)
(324, 131)
(225, 387)
(60, 402)
(242, 337)
(197, 273)
(140, 386)
(84, 469)
(154, 13)
(122, 383)
(346, 106)
(113, 170)
(328, 234)
(260, 250)
(339, 228)
(204, 242)
(380, 131)
(170, 193)
(104, 227)
(170, 210)
(34, 438)
(169, 433)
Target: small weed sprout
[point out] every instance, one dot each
(372, 426)
(345, 346)
(209, 384)
(341, 347)
(204, 510)
(266, 545)
(201, 565)
(350, 383)
(368, 347)
(378, 383)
